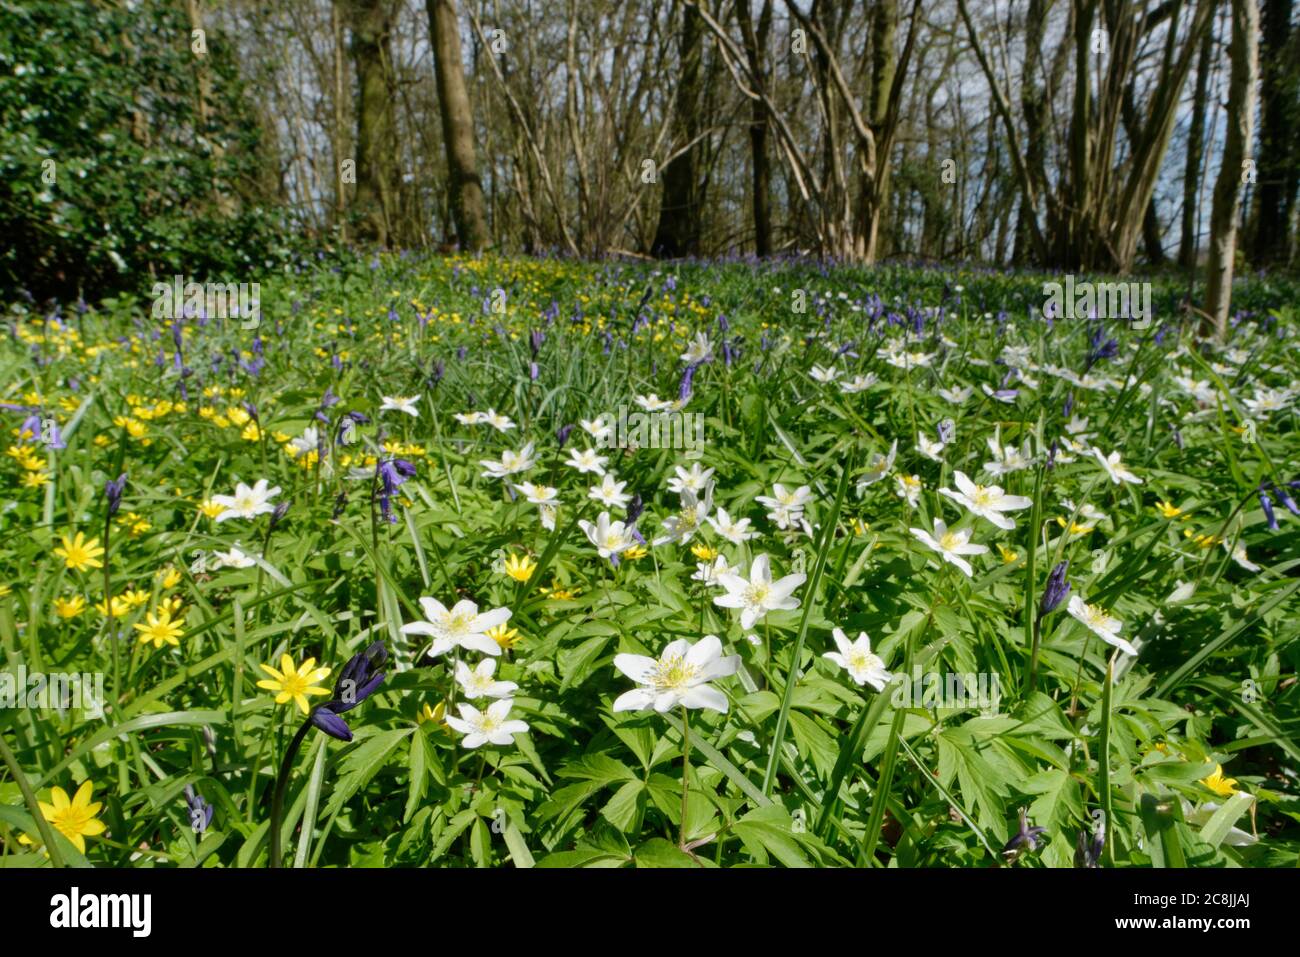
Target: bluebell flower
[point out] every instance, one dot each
(391, 473)
(684, 390)
(200, 811)
(1266, 504)
(1026, 837)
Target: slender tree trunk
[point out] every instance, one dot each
(377, 175)
(1244, 51)
(755, 50)
(1270, 239)
(466, 189)
(1195, 145)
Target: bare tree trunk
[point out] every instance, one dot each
(1244, 51)
(467, 206)
(371, 22)
(678, 231)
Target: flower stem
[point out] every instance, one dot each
(33, 805)
(109, 629)
(686, 774)
(281, 784)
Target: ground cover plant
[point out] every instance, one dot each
(526, 562)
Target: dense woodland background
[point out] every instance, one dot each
(140, 139)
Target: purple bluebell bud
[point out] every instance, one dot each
(326, 720)
(281, 509)
(1087, 852)
(113, 493)
(340, 504)
(1058, 586)
(1285, 498)
(562, 434)
(634, 509)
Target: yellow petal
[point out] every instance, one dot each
(82, 797)
(59, 798)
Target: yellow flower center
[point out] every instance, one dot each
(672, 673)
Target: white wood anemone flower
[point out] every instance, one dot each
(610, 538)
(680, 676)
(758, 595)
(735, 531)
(1100, 622)
(247, 502)
(511, 463)
(856, 658)
(480, 681)
(401, 403)
(1115, 468)
(461, 627)
(986, 501)
(492, 726)
(951, 546)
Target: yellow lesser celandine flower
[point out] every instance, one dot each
(33, 463)
(437, 714)
(69, 607)
(1008, 556)
(160, 629)
(121, 607)
(75, 819)
(210, 508)
(1216, 782)
(251, 432)
(859, 527)
(703, 552)
(238, 415)
(4, 589)
(101, 440)
(80, 554)
(633, 553)
(1202, 541)
(135, 597)
(504, 636)
(1168, 510)
(1074, 527)
(520, 567)
(292, 683)
(35, 480)
(168, 577)
(134, 524)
